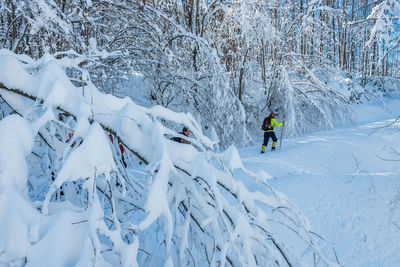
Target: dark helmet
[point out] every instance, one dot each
(185, 131)
(275, 113)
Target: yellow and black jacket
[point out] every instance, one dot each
(270, 123)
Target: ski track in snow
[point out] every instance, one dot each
(350, 195)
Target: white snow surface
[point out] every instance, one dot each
(346, 182)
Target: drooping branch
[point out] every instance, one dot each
(224, 212)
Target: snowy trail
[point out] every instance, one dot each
(339, 181)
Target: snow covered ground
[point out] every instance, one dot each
(341, 181)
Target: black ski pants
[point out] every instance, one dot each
(267, 135)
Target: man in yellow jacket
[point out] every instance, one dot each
(268, 127)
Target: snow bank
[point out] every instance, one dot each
(371, 112)
(16, 142)
(18, 230)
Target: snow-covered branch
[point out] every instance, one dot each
(185, 205)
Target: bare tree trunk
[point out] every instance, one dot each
(334, 37)
(322, 17)
(64, 2)
(343, 58)
(373, 60)
(241, 75)
(263, 67)
(302, 42)
(14, 32)
(365, 53)
(312, 35)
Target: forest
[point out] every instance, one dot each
(69, 101)
(226, 62)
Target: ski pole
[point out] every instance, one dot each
(280, 141)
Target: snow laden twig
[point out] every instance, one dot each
(183, 206)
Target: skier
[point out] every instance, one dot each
(185, 132)
(268, 126)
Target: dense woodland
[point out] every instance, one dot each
(216, 67)
(208, 57)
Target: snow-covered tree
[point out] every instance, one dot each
(227, 62)
(177, 204)
(384, 16)
(35, 27)
(296, 88)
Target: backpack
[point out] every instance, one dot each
(266, 126)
